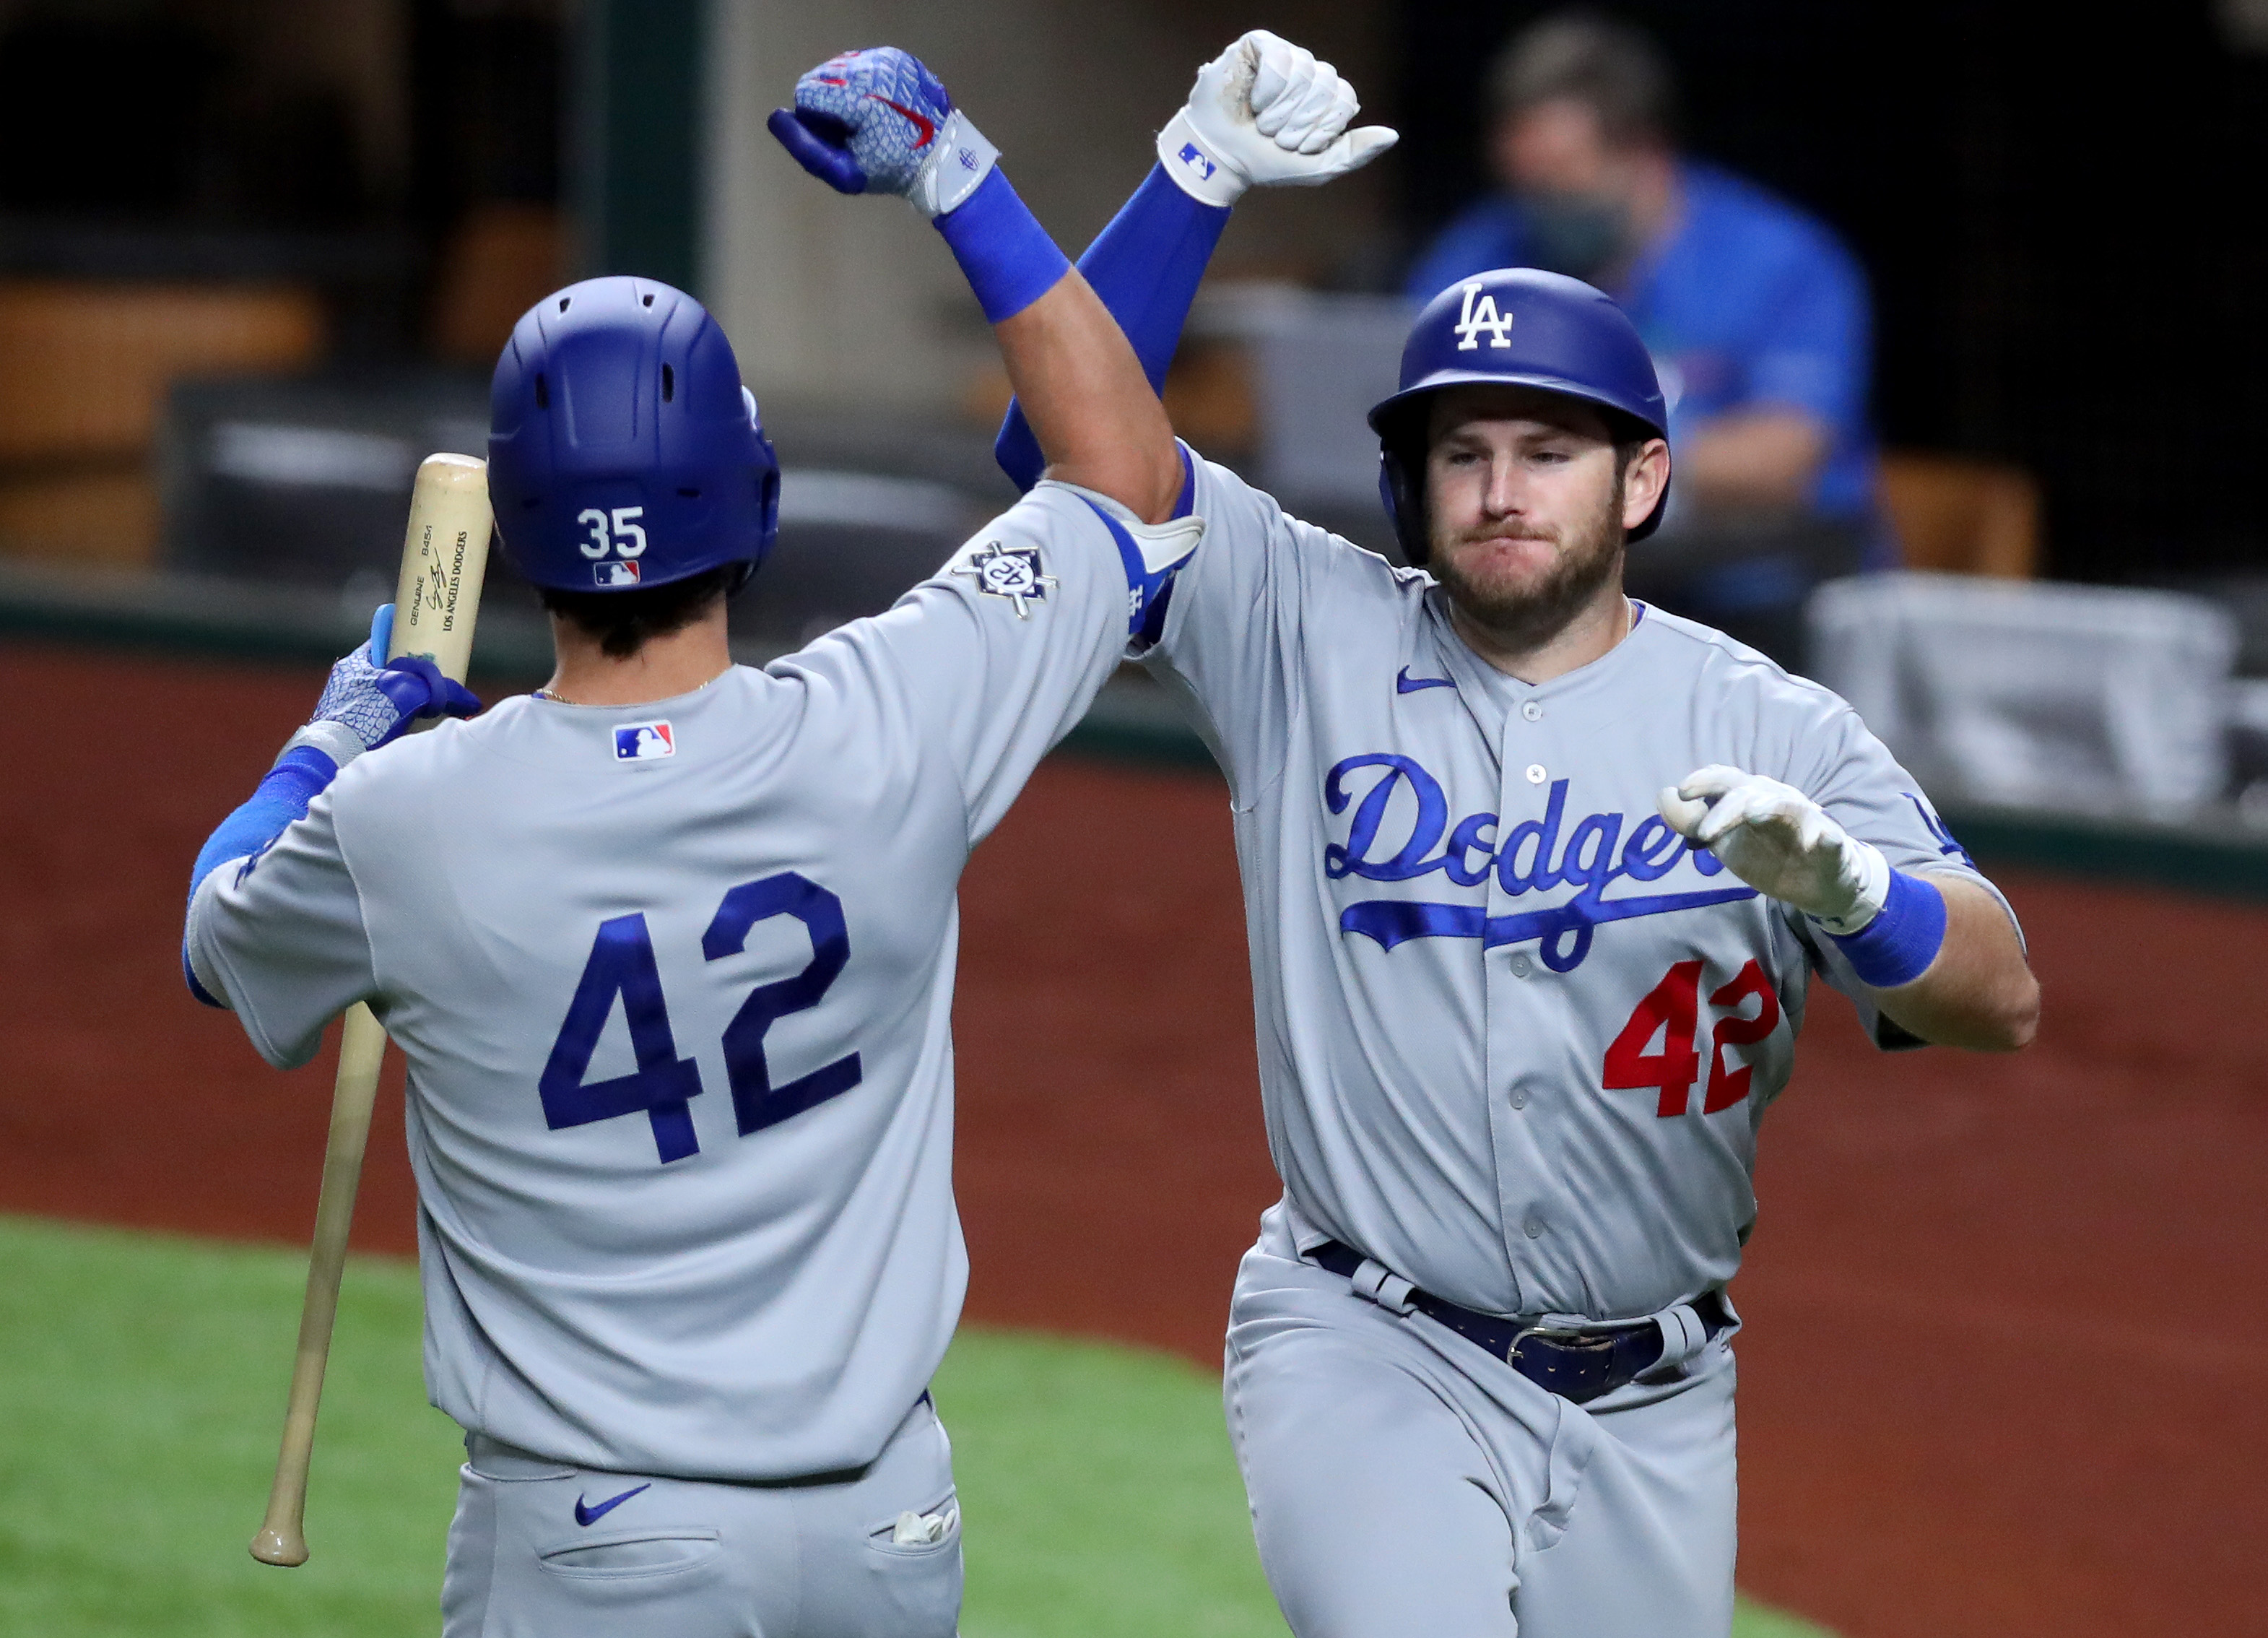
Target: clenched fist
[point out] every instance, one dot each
(880, 121)
(1265, 112)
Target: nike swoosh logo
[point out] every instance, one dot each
(922, 123)
(1404, 684)
(592, 1515)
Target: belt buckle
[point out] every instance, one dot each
(1559, 1336)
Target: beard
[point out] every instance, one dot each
(1527, 616)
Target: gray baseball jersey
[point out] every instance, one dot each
(1515, 1035)
(674, 984)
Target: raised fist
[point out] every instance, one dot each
(879, 121)
(1265, 112)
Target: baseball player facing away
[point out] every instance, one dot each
(1535, 880)
(669, 945)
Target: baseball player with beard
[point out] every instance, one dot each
(669, 944)
(1536, 879)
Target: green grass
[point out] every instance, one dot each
(143, 1385)
(141, 1379)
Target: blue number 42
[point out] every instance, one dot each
(621, 963)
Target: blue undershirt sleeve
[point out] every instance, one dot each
(1003, 252)
(298, 776)
(1145, 266)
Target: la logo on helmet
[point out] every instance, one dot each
(1477, 316)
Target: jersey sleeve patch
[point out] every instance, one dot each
(1013, 573)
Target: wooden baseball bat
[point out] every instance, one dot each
(438, 599)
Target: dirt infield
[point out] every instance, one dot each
(2007, 1318)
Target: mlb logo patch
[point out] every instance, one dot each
(614, 573)
(1193, 157)
(643, 741)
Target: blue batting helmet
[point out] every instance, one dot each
(623, 451)
(1515, 326)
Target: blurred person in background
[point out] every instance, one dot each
(1755, 314)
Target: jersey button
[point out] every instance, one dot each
(1521, 966)
(1536, 774)
(1533, 1228)
(1533, 711)
(1519, 1097)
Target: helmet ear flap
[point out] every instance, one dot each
(1402, 489)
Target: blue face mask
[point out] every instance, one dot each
(1578, 234)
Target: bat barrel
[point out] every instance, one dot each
(444, 561)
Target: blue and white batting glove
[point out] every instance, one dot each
(366, 705)
(1266, 113)
(879, 121)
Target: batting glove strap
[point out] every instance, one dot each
(961, 161)
(1898, 944)
(1003, 252)
(1861, 886)
(1199, 167)
(334, 741)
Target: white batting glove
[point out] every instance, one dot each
(1782, 844)
(1265, 112)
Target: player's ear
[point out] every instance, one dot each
(1644, 479)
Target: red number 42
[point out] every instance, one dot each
(1672, 1009)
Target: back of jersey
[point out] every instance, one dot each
(675, 982)
(676, 1012)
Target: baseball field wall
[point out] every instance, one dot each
(2006, 1317)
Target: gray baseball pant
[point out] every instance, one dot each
(813, 1557)
(1404, 1481)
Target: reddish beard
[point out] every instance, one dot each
(1529, 615)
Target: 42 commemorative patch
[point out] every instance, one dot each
(1009, 572)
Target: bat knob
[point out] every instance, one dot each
(271, 1546)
